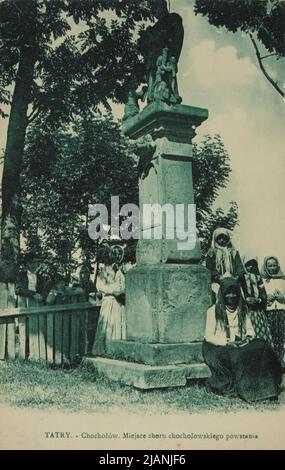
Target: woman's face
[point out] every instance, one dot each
(84, 276)
(232, 297)
(251, 266)
(223, 239)
(116, 255)
(272, 266)
(32, 265)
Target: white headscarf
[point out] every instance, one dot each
(224, 254)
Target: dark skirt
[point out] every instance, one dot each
(276, 320)
(252, 372)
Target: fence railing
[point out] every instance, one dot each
(57, 334)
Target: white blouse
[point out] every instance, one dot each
(271, 286)
(215, 334)
(117, 284)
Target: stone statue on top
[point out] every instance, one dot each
(160, 46)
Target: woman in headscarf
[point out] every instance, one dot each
(240, 364)
(7, 285)
(256, 299)
(111, 284)
(223, 259)
(274, 284)
(30, 284)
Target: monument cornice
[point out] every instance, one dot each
(177, 123)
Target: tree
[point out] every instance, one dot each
(262, 20)
(57, 73)
(65, 169)
(211, 172)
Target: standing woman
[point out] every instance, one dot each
(7, 285)
(223, 259)
(256, 299)
(31, 286)
(240, 364)
(274, 283)
(111, 323)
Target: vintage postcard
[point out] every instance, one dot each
(142, 282)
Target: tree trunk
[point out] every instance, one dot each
(11, 191)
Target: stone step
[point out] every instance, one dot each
(155, 354)
(144, 376)
(196, 371)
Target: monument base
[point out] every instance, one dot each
(167, 303)
(155, 354)
(166, 307)
(146, 377)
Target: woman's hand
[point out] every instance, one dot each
(116, 293)
(99, 295)
(270, 298)
(279, 296)
(252, 301)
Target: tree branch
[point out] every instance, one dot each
(268, 55)
(34, 114)
(265, 73)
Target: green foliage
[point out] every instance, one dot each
(65, 169)
(266, 18)
(211, 171)
(261, 19)
(72, 71)
(60, 75)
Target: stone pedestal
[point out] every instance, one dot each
(168, 292)
(167, 303)
(166, 180)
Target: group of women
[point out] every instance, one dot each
(245, 327)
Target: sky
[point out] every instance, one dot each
(218, 70)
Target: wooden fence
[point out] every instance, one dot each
(57, 334)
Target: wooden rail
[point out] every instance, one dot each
(57, 334)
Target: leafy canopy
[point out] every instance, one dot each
(262, 20)
(65, 169)
(266, 18)
(83, 58)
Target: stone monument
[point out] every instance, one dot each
(168, 292)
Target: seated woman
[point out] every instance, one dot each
(240, 364)
(256, 299)
(111, 323)
(274, 283)
(222, 258)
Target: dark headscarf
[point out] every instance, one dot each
(252, 280)
(229, 283)
(264, 271)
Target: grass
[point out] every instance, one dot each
(28, 384)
